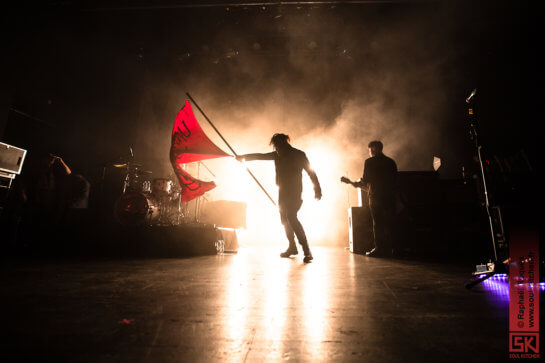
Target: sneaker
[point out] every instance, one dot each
(308, 258)
(377, 253)
(371, 253)
(289, 252)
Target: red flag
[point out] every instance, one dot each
(191, 187)
(189, 144)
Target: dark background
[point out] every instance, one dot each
(88, 80)
(85, 69)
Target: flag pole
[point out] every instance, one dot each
(229, 146)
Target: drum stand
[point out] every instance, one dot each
(163, 212)
(179, 210)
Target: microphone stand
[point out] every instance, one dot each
(495, 267)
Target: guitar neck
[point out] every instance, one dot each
(354, 184)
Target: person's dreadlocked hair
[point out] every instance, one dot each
(279, 139)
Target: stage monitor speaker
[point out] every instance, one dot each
(360, 226)
(11, 158)
(229, 238)
(224, 213)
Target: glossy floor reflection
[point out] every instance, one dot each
(252, 306)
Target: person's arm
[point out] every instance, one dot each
(348, 181)
(356, 184)
(314, 178)
(66, 168)
(256, 156)
(363, 182)
(360, 183)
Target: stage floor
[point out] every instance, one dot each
(252, 306)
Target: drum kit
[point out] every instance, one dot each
(145, 200)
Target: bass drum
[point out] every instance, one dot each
(136, 208)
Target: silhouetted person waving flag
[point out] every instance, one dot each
(289, 163)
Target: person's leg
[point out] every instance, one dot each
(390, 226)
(297, 227)
(290, 234)
(381, 239)
(379, 227)
(374, 211)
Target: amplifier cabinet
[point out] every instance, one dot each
(360, 229)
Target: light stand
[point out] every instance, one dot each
(485, 271)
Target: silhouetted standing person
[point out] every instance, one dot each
(42, 192)
(290, 163)
(380, 178)
(44, 187)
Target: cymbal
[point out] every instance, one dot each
(142, 172)
(126, 165)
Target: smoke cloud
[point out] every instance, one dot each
(333, 78)
(330, 78)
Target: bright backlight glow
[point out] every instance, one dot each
(325, 221)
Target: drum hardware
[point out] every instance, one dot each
(146, 187)
(147, 202)
(134, 181)
(161, 187)
(178, 211)
(135, 208)
(163, 207)
(157, 202)
(126, 164)
(169, 201)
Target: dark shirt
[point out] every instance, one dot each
(380, 174)
(289, 167)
